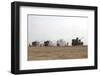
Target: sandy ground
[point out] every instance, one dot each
(52, 53)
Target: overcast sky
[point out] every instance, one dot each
(44, 27)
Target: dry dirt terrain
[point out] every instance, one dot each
(51, 53)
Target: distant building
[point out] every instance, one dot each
(46, 43)
(61, 42)
(35, 43)
(50, 43)
(41, 44)
(76, 42)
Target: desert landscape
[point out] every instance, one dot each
(53, 37)
(53, 53)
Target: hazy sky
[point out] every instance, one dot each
(44, 27)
